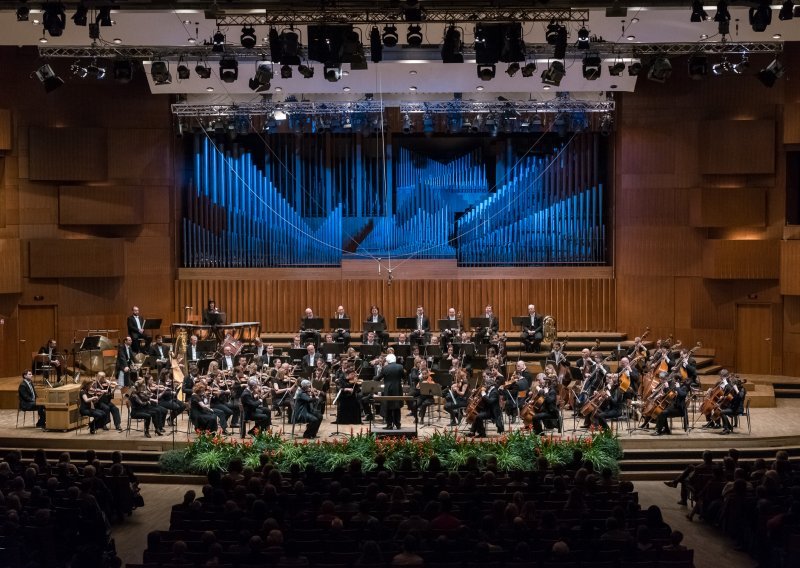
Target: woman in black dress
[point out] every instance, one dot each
(97, 418)
(200, 412)
(349, 409)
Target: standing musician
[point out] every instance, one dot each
(341, 335)
(136, 329)
(393, 375)
(253, 406)
(638, 350)
(661, 360)
(686, 364)
(675, 408)
(192, 350)
(483, 334)
(160, 352)
(308, 334)
(532, 331)
(211, 315)
(451, 334)
(421, 333)
(88, 407)
(124, 361)
(456, 397)
(376, 317)
(306, 409)
(200, 412)
(544, 401)
(489, 409)
(53, 358)
(349, 406)
(27, 397)
(165, 394)
(104, 389)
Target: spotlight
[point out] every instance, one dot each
(723, 18)
(771, 73)
(742, 66)
(583, 38)
(606, 125)
(228, 70)
(760, 16)
(634, 68)
(660, 70)
(306, 71)
(22, 13)
(529, 69)
(248, 38)
(556, 35)
(427, 124)
(50, 81)
(54, 19)
(286, 72)
(332, 72)
(95, 70)
(414, 35)
(592, 67)
(203, 71)
(390, 37)
(122, 70)
(159, 71)
(720, 68)
(698, 67)
(787, 11)
(536, 123)
(486, 72)
(78, 70)
(407, 124)
(291, 50)
(452, 47)
(698, 13)
(104, 17)
(261, 80)
(512, 69)
(94, 30)
(554, 74)
(375, 45)
(513, 46)
(218, 42)
(183, 71)
(616, 69)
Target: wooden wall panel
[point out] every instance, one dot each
(737, 146)
(70, 153)
(650, 250)
(6, 129)
(790, 268)
(10, 266)
(140, 154)
(647, 149)
(728, 207)
(38, 203)
(751, 259)
(577, 304)
(100, 205)
(76, 258)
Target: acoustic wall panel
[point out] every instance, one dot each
(76, 258)
(728, 207)
(76, 154)
(10, 266)
(741, 259)
(790, 268)
(737, 147)
(100, 205)
(6, 130)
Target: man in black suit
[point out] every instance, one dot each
(549, 409)
(254, 408)
(490, 410)
(340, 334)
(482, 334)
(532, 330)
(160, 352)
(52, 357)
(308, 334)
(136, 330)
(306, 411)
(124, 361)
(311, 357)
(421, 333)
(227, 361)
(393, 375)
(27, 397)
(376, 317)
(192, 349)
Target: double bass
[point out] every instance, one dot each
(474, 404)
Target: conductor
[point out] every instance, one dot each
(392, 375)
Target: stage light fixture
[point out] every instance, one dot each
(228, 70)
(104, 17)
(332, 72)
(427, 124)
(592, 67)
(95, 70)
(183, 71)
(452, 46)
(513, 45)
(760, 16)
(660, 70)
(742, 66)
(408, 126)
(291, 49)
(486, 72)
(698, 13)
(23, 12)
(48, 78)
(375, 45)
(536, 124)
(787, 11)
(286, 72)
(723, 18)
(512, 69)
(554, 74)
(390, 37)
(306, 71)
(529, 69)
(54, 19)
(159, 71)
(248, 38)
(771, 73)
(203, 71)
(634, 68)
(218, 42)
(698, 67)
(414, 35)
(720, 68)
(261, 80)
(122, 70)
(583, 38)
(80, 17)
(78, 70)
(606, 124)
(556, 35)
(616, 69)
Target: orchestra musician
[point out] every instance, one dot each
(349, 407)
(165, 395)
(735, 405)
(456, 397)
(393, 375)
(625, 368)
(585, 363)
(341, 335)
(54, 359)
(376, 317)
(211, 315)
(221, 403)
(306, 409)
(421, 333)
(532, 331)
(27, 398)
(227, 362)
(556, 354)
(296, 343)
(192, 350)
(189, 381)
(549, 404)
(200, 412)
(676, 407)
(308, 334)
(97, 418)
(160, 352)
(311, 358)
(686, 362)
(638, 349)
(490, 400)
(422, 401)
(449, 335)
(136, 330)
(253, 406)
(484, 334)
(124, 361)
(370, 339)
(611, 406)
(104, 389)
(519, 382)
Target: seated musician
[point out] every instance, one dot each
(449, 335)
(376, 317)
(268, 358)
(283, 387)
(308, 334)
(124, 361)
(104, 389)
(611, 406)
(211, 315)
(556, 354)
(402, 339)
(227, 362)
(687, 366)
(160, 352)
(200, 412)
(456, 397)
(484, 334)
(164, 390)
(638, 349)
(88, 400)
(27, 397)
(135, 325)
(189, 381)
(734, 405)
(296, 343)
(625, 368)
(370, 339)
(489, 409)
(661, 358)
(257, 349)
(253, 406)
(519, 382)
(545, 403)
(220, 402)
(422, 401)
(341, 335)
(675, 408)
(311, 358)
(306, 411)
(532, 333)
(53, 358)
(192, 350)
(585, 363)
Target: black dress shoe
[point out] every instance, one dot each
(657, 433)
(389, 427)
(146, 434)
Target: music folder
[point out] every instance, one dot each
(370, 351)
(332, 348)
(430, 389)
(402, 350)
(312, 323)
(91, 343)
(297, 354)
(433, 350)
(479, 322)
(370, 387)
(406, 323)
(336, 323)
(448, 324)
(374, 326)
(464, 349)
(521, 321)
(152, 324)
(442, 378)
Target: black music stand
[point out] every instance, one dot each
(443, 378)
(152, 324)
(370, 351)
(366, 373)
(91, 343)
(433, 351)
(464, 349)
(406, 323)
(216, 318)
(479, 322)
(376, 326)
(402, 350)
(445, 364)
(312, 324)
(370, 387)
(447, 324)
(336, 323)
(297, 354)
(434, 390)
(334, 349)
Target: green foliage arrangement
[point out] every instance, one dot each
(514, 451)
